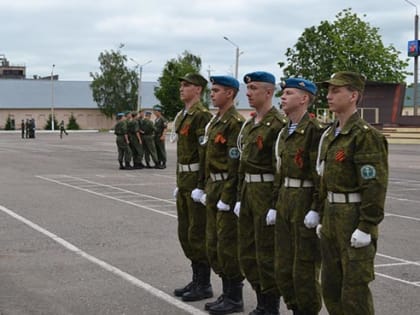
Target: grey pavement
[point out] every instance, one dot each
(79, 236)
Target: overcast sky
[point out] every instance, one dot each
(72, 33)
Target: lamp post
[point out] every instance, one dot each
(416, 37)
(237, 54)
(140, 75)
(52, 97)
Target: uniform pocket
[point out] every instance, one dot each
(360, 268)
(309, 249)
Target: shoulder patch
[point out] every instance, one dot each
(234, 153)
(368, 171)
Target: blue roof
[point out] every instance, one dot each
(37, 94)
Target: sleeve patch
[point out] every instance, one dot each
(234, 153)
(368, 171)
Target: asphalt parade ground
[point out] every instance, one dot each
(78, 236)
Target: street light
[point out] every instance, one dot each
(416, 37)
(237, 54)
(52, 97)
(140, 75)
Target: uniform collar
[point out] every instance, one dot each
(349, 124)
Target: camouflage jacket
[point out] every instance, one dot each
(160, 125)
(147, 127)
(222, 154)
(356, 160)
(296, 155)
(190, 128)
(120, 128)
(133, 126)
(257, 146)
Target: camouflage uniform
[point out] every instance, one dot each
(298, 256)
(256, 177)
(160, 125)
(135, 146)
(148, 142)
(124, 152)
(354, 170)
(222, 161)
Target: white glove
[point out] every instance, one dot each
(203, 199)
(175, 193)
(221, 206)
(270, 219)
(311, 219)
(360, 239)
(196, 194)
(318, 230)
(237, 208)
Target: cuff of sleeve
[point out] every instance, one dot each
(366, 227)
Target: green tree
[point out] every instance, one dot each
(114, 89)
(168, 90)
(48, 124)
(9, 124)
(346, 44)
(72, 124)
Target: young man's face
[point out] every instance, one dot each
(292, 100)
(340, 98)
(221, 95)
(188, 91)
(258, 93)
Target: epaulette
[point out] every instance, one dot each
(319, 125)
(363, 126)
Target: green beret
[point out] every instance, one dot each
(195, 79)
(260, 76)
(157, 108)
(347, 78)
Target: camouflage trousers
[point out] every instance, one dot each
(256, 238)
(221, 235)
(149, 149)
(124, 152)
(346, 271)
(136, 149)
(160, 149)
(191, 226)
(297, 252)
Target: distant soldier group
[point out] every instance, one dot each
(27, 128)
(140, 139)
(276, 199)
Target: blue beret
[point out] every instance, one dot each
(301, 84)
(260, 76)
(148, 113)
(120, 114)
(225, 81)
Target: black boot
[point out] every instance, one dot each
(259, 310)
(225, 286)
(232, 302)
(187, 288)
(271, 304)
(121, 165)
(163, 165)
(202, 288)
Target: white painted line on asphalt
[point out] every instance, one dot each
(399, 259)
(104, 265)
(392, 264)
(402, 216)
(110, 197)
(402, 199)
(416, 284)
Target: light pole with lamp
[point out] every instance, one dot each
(416, 38)
(237, 54)
(140, 75)
(52, 97)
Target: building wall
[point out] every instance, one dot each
(86, 118)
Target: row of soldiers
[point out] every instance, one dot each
(139, 137)
(273, 199)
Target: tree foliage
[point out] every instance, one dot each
(49, 122)
(115, 87)
(168, 90)
(346, 44)
(72, 124)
